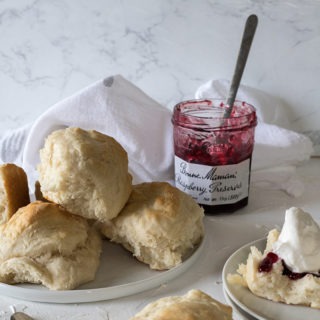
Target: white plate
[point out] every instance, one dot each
(260, 308)
(119, 275)
(237, 312)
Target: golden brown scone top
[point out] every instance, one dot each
(36, 220)
(159, 224)
(86, 172)
(195, 305)
(45, 244)
(14, 191)
(159, 201)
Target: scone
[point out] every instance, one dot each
(268, 276)
(195, 305)
(159, 225)
(14, 191)
(86, 172)
(43, 243)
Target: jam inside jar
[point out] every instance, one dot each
(213, 154)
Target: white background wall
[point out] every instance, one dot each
(51, 49)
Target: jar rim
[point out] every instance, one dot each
(208, 114)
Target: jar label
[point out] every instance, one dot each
(213, 185)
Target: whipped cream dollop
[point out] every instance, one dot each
(299, 242)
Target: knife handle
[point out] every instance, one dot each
(20, 316)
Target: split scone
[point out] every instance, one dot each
(159, 224)
(195, 305)
(86, 172)
(43, 243)
(288, 270)
(14, 191)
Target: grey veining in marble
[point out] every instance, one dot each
(51, 49)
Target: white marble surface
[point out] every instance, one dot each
(51, 49)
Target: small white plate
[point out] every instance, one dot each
(119, 275)
(260, 308)
(237, 312)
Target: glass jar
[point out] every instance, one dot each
(212, 153)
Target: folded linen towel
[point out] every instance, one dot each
(115, 107)
(277, 151)
(12, 144)
(143, 127)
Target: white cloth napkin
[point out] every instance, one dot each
(143, 127)
(115, 107)
(12, 144)
(277, 150)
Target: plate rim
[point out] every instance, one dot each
(87, 295)
(236, 309)
(245, 247)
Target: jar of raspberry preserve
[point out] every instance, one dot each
(213, 153)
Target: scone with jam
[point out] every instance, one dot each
(288, 270)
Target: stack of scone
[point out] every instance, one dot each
(42, 242)
(87, 193)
